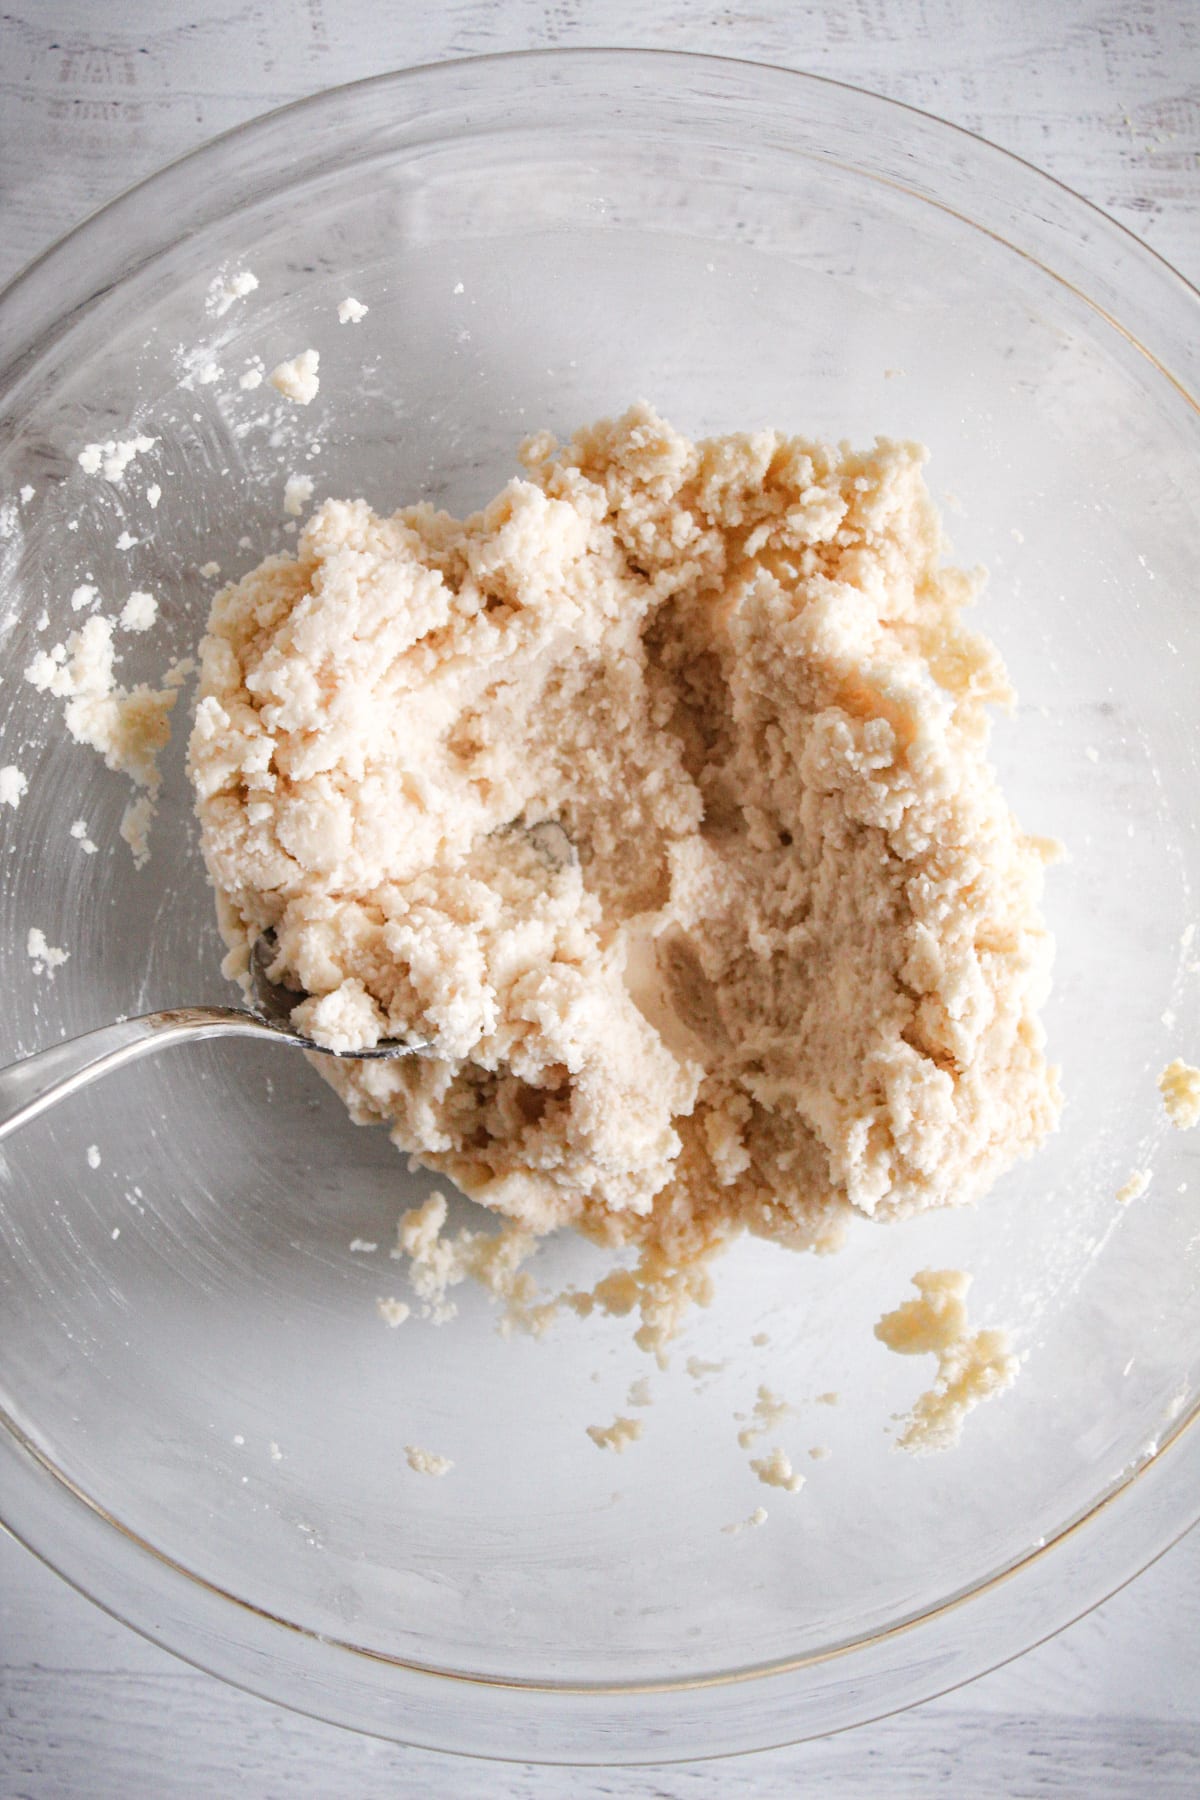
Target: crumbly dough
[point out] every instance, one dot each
(222, 293)
(770, 1410)
(44, 956)
(618, 1436)
(112, 457)
(297, 492)
(13, 786)
(139, 611)
(297, 379)
(655, 798)
(757, 1517)
(393, 1312)
(1179, 1085)
(1135, 1187)
(128, 726)
(972, 1366)
(426, 1462)
(775, 1470)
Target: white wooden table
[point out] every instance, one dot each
(1104, 94)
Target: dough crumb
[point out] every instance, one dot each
(775, 1470)
(249, 379)
(1179, 1085)
(44, 956)
(210, 570)
(820, 1453)
(363, 1246)
(79, 831)
(437, 1263)
(139, 611)
(275, 1453)
(13, 786)
(426, 1462)
(757, 1517)
(298, 379)
(697, 1369)
(93, 1156)
(135, 825)
(828, 1399)
(350, 311)
(223, 292)
(1135, 1187)
(617, 1436)
(297, 492)
(112, 457)
(26, 494)
(971, 1367)
(83, 595)
(769, 1412)
(153, 495)
(761, 1339)
(639, 1392)
(127, 727)
(392, 1312)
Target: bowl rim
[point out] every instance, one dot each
(580, 53)
(41, 1495)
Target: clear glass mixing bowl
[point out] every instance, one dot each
(205, 1416)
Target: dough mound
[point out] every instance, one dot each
(655, 797)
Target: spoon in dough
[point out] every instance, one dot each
(28, 1087)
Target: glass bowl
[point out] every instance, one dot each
(205, 1416)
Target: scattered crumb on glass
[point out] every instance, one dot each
(426, 1462)
(297, 379)
(757, 1517)
(297, 492)
(972, 1366)
(112, 457)
(697, 1368)
(1179, 1085)
(775, 1470)
(44, 957)
(392, 1312)
(13, 786)
(769, 1412)
(139, 611)
(223, 292)
(617, 1436)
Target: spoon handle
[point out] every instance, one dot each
(36, 1082)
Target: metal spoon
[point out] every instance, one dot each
(28, 1087)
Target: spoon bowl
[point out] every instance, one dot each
(28, 1087)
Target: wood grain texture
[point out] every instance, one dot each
(1106, 96)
